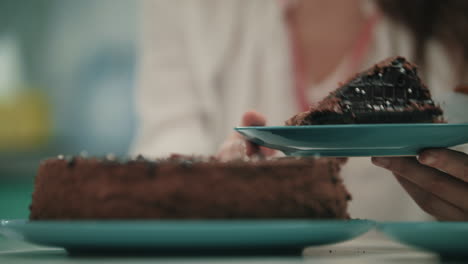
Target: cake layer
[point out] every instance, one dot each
(389, 92)
(182, 188)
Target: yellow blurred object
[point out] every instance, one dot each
(24, 121)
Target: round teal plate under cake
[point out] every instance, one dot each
(182, 235)
(446, 238)
(357, 140)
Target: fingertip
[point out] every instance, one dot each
(253, 118)
(381, 162)
(428, 157)
(342, 160)
(267, 151)
(251, 148)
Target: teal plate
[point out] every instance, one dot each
(357, 140)
(445, 238)
(181, 235)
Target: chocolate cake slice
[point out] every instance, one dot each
(181, 187)
(389, 92)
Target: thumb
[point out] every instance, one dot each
(253, 118)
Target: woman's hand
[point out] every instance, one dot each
(437, 181)
(237, 147)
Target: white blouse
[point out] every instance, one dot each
(203, 63)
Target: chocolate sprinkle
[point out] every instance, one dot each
(71, 161)
(186, 163)
(140, 158)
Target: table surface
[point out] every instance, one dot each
(370, 248)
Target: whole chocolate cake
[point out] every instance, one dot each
(188, 188)
(389, 92)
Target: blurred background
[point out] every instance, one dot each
(66, 80)
(67, 73)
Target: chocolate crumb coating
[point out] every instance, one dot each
(389, 92)
(183, 187)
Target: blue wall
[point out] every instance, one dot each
(79, 54)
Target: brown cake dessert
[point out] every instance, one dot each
(188, 188)
(389, 92)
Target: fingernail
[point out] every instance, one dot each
(428, 157)
(381, 162)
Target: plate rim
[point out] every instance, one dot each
(218, 236)
(393, 125)
(4, 223)
(420, 224)
(415, 234)
(285, 138)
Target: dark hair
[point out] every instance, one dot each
(444, 20)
